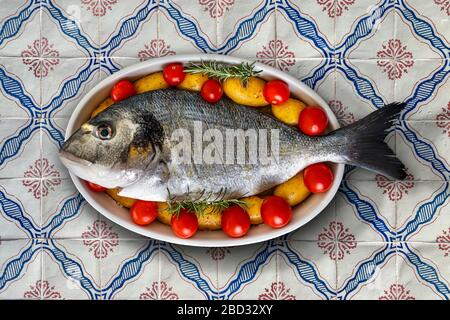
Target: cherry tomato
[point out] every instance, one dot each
(122, 90)
(174, 73)
(95, 187)
(276, 212)
(211, 91)
(185, 225)
(144, 212)
(312, 121)
(276, 92)
(318, 177)
(235, 221)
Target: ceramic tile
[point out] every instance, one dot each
(377, 43)
(420, 285)
(232, 19)
(59, 99)
(413, 218)
(115, 253)
(383, 284)
(296, 259)
(236, 284)
(320, 13)
(21, 204)
(146, 284)
(84, 267)
(22, 161)
(354, 212)
(379, 238)
(63, 200)
(191, 272)
(57, 284)
(437, 107)
(83, 17)
(23, 282)
(433, 138)
(364, 262)
(436, 13)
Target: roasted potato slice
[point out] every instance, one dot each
(250, 95)
(151, 82)
(293, 191)
(193, 82)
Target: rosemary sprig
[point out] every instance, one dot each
(203, 200)
(221, 71)
(199, 207)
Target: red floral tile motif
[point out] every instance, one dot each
(395, 189)
(40, 57)
(335, 8)
(277, 55)
(156, 48)
(444, 242)
(99, 7)
(396, 60)
(216, 8)
(336, 240)
(396, 292)
(165, 292)
(100, 239)
(42, 177)
(43, 290)
(218, 253)
(443, 119)
(345, 118)
(277, 291)
(445, 5)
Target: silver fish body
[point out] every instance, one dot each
(131, 145)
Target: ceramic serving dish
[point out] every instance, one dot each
(302, 213)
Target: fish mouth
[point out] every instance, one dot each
(69, 159)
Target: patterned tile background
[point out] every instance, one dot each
(379, 239)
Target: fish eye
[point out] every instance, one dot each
(104, 132)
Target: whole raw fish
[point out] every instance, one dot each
(172, 145)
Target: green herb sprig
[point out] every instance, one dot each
(202, 202)
(222, 72)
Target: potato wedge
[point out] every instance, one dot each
(289, 111)
(164, 215)
(210, 219)
(252, 95)
(253, 208)
(193, 81)
(293, 191)
(124, 201)
(102, 106)
(151, 82)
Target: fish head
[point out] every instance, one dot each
(111, 149)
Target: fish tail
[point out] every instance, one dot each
(363, 142)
